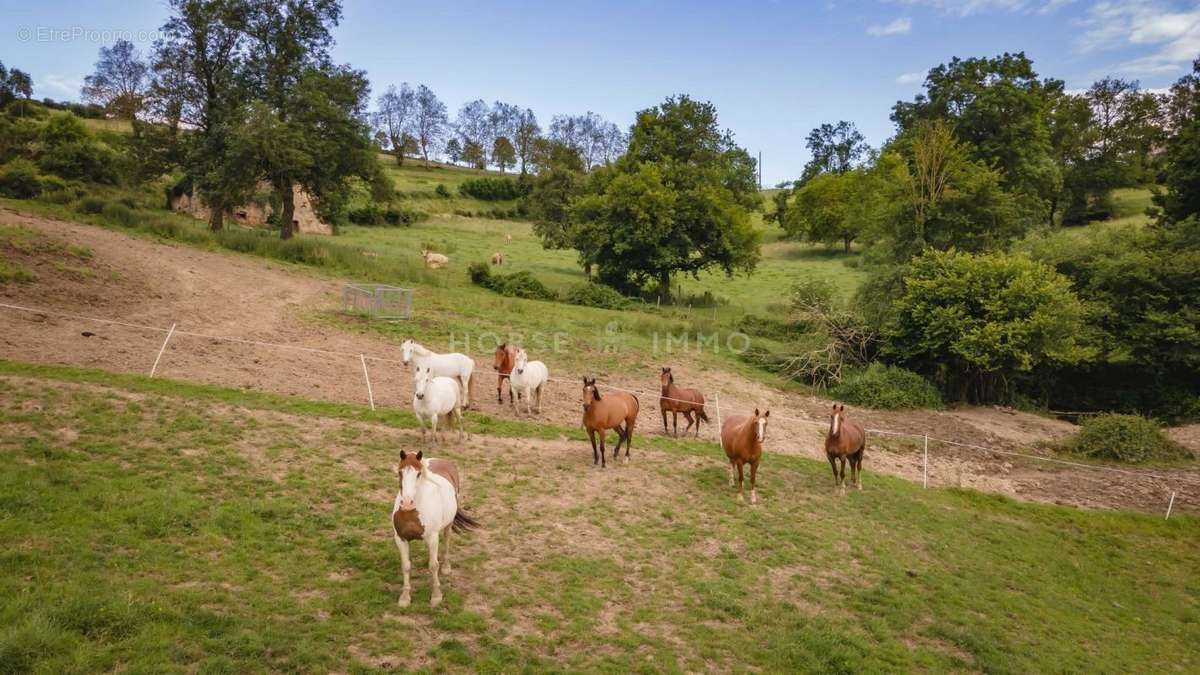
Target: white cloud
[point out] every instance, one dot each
(58, 86)
(1171, 36)
(970, 7)
(910, 78)
(895, 27)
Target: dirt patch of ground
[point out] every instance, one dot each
(205, 293)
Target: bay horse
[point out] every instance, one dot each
(742, 440)
(676, 399)
(506, 358)
(426, 507)
(457, 366)
(846, 441)
(608, 411)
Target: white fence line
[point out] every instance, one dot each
(172, 331)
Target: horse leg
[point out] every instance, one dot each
(842, 474)
(603, 433)
(511, 404)
(539, 397)
(405, 567)
(687, 415)
(629, 437)
(675, 422)
(666, 429)
(500, 390)
(753, 482)
(833, 465)
(731, 472)
(741, 479)
(421, 421)
(462, 427)
(858, 458)
(620, 440)
(435, 598)
(445, 559)
(595, 457)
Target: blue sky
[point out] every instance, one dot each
(773, 69)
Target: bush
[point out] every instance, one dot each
(1124, 438)
(442, 191)
(887, 388)
(375, 214)
(518, 285)
(69, 150)
(590, 294)
(58, 197)
(19, 180)
(492, 189)
(119, 213)
(91, 205)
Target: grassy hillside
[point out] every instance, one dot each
(153, 525)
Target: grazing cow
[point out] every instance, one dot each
(497, 258)
(434, 260)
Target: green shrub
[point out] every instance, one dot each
(375, 214)
(19, 179)
(91, 205)
(518, 285)
(590, 294)
(53, 184)
(1124, 438)
(119, 213)
(492, 189)
(887, 388)
(14, 273)
(70, 150)
(58, 197)
(442, 191)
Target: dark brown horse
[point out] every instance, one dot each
(608, 411)
(846, 441)
(506, 358)
(676, 399)
(742, 439)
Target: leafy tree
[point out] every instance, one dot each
(973, 323)
(998, 107)
(835, 148)
(394, 117)
(525, 137)
(473, 125)
(429, 121)
(14, 83)
(560, 179)
(503, 154)
(120, 82)
(474, 155)
(197, 67)
(1181, 175)
(677, 201)
(502, 122)
(454, 151)
(833, 207)
(69, 150)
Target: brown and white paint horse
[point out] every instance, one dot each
(675, 399)
(427, 508)
(845, 442)
(506, 358)
(742, 439)
(608, 411)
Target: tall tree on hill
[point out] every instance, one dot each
(287, 40)
(677, 201)
(835, 148)
(502, 122)
(394, 117)
(473, 125)
(454, 151)
(503, 154)
(525, 138)
(429, 123)
(120, 82)
(197, 65)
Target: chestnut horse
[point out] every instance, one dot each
(742, 440)
(846, 441)
(676, 399)
(601, 413)
(506, 358)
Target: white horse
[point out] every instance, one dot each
(434, 398)
(458, 366)
(528, 377)
(426, 507)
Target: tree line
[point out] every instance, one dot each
(971, 281)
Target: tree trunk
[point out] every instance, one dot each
(216, 219)
(846, 241)
(664, 286)
(587, 271)
(1053, 209)
(288, 212)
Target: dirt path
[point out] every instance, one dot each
(213, 293)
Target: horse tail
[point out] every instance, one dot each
(463, 522)
(700, 413)
(636, 409)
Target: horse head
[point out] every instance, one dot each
(835, 419)
(406, 351)
(421, 383)
(502, 362)
(666, 377)
(410, 468)
(590, 393)
(522, 359)
(760, 425)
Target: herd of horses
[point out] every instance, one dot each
(426, 506)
